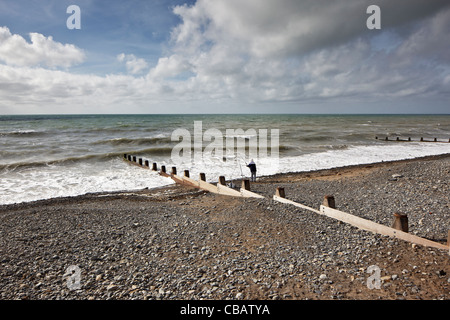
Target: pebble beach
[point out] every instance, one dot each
(180, 243)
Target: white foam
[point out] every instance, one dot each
(61, 181)
(314, 161)
(317, 161)
(116, 175)
(357, 155)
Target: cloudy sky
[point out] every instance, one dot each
(224, 56)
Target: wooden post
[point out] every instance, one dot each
(398, 139)
(155, 167)
(386, 139)
(125, 156)
(435, 139)
(140, 161)
(129, 158)
(409, 139)
(174, 170)
(146, 163)
(163, 169)
(202, 176)
(400, 222)
(134, 159)
(222, 180)
(280, 192)
(186, 173)
(328, 201)
(421, 139)
(246, 184)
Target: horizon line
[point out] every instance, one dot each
(215, 114)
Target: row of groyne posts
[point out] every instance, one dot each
(220, 188)
(410, 140)
(399, 228)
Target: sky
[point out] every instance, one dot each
(224, 56)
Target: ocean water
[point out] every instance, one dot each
(47, 156)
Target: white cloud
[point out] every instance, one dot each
(284, 28)
(243, 52)
(168, 67)
(15, 50)
(258, 51)
(133, 64)
(40, 90)
(429, 40)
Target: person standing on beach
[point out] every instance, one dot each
(252, 167)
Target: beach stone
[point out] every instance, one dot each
(111, 287)
(149, 248)
(386, 278)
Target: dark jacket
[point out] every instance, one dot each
(252, 167)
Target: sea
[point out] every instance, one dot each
(48, 156)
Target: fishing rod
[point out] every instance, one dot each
(240, 167)
(242, 174)
(243, 160)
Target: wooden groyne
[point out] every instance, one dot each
(398, 230)
(398, 139)
(219, 188)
